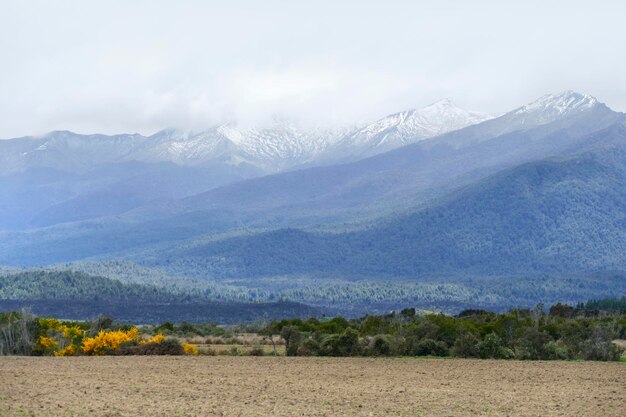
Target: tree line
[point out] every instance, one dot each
(564, 332)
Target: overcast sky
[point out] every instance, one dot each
(139, 66)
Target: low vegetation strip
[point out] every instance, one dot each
(24, 334)
(280, 386)
(562, 333)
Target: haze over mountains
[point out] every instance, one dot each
(63, 176)
(433, 194)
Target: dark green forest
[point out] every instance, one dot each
(132, 293)
(80, 296)
(54, 285)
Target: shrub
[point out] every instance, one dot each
(256, 351)
(562, 310)
(292, 337)
(600, 346)
(208, 352)
(158, 338)
(430, 347)
(107, 342)
(348, 343)
(46, 344)
(491, 347)
(556, 350)
(465, 346)
(309, 347)
(187, 328)
(233, 351)
(165, 347)
(533, 344)
(380, 346)
(190, 349)
(69, 350)
(102, 323)
(18, 333)
(330, 345)
(165, 327)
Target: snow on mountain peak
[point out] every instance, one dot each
(411, 126)
(564, 103)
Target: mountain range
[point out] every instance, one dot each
(63, 176)
(438, 194)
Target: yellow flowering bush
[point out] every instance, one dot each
(69, 350)
(57, 338)
(157, 338)
(73, 332)
(190, 349)
(46, 344)
(70, 338)
(104, 342)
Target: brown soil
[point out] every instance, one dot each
(269, 386)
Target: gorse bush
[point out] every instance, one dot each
(69, 339)
(59, 339)
(158, 338)
(105, 342)
(24, 334)
(190, 349)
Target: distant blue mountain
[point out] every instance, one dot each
(537, 189)
(556, 215)
(415, 173)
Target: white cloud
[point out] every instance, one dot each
(139, 66)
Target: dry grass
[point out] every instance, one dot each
(247, 339)
(279, 386)
(243, 349)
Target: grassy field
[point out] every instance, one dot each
(279, 386)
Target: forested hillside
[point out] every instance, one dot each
(80, 296)
(560, 215)
(66, 285)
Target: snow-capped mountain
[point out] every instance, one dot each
(271, 147)
(283, 144)
(557, 105)
(567, 108)
(550, 107)
(406, 127)
(66, 151)
(63, 176)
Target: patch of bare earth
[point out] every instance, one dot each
(268, 386)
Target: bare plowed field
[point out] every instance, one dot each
(268, 386)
